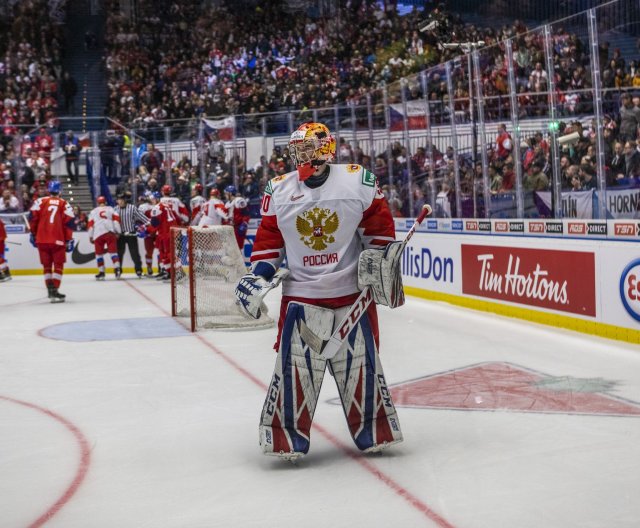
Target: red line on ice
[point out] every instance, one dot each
(356, 457)
(83, 467)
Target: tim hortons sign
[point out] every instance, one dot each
(557, 280)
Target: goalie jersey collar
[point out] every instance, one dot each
(341, 181)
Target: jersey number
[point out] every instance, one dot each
(170, 215)
(54, 210)
(266, 200)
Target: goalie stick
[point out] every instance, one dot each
(329, 348)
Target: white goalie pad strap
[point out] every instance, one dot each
(252, 289)
(285, 423)
(366, 400)
(381, 271)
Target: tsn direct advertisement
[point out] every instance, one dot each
(596, 279)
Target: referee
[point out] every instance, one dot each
(129, 217)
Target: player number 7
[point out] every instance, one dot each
(54, 210)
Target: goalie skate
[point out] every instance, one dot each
(366, 400)
(285, 423)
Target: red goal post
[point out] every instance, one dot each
(207, 265)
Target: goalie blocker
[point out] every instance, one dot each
(287, 414)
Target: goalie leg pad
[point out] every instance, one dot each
(380, 270)
(366, 400)
(285, 423)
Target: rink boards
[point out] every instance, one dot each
(579, 275)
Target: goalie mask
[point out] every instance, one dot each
(310, 146)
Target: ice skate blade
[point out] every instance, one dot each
(291, 456)
(381, 447)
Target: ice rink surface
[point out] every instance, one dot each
(105, 425)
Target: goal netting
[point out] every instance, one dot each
(206, 265)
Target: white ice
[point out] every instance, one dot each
(171, 433)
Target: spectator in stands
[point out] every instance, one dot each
(9, 203)
(535, 179)
(445, 202)
(182, 190)
(37, 165)
(44, 145)
(137, 153)
(587, 175)
(631, 159)
(251, 191)
(629, 119)
(617, 164)
(72, 148)
(504, 143)
(80, 219)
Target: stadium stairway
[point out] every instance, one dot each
(77, 194)
(85, 64)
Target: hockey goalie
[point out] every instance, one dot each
(324, 218)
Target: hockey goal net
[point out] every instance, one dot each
(206, 265)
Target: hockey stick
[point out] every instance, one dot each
(14, 243)
(329, 348)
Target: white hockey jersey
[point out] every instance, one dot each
(322, 231)
(103, 219)
(195, 204)
(213, 213)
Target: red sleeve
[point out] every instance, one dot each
(377, 228)
(269, 244)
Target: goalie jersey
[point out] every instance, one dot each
(321, 231)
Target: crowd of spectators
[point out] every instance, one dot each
(220, 61)
(31, 49)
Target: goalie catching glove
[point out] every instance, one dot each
(380, 270)
(251, 289)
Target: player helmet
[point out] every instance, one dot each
(214, 193)
(231, 189)
(167, 190)
(198, 188)
(54, 187)
(101, 200)
(310, 146)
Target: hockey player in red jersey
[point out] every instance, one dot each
(51, 225)
(169, 212)
(5, 275)
(238, 211)
(104, 228)
(324, 218)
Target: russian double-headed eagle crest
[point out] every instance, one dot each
(316, 227)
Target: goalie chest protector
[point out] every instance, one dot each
(323, 228)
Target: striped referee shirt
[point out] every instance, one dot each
(129, 217)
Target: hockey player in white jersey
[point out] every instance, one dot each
(104, 228)
(324, 218)
(213, 212)
(197, 202)
(238, 213)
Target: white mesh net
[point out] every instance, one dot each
(208, 265)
